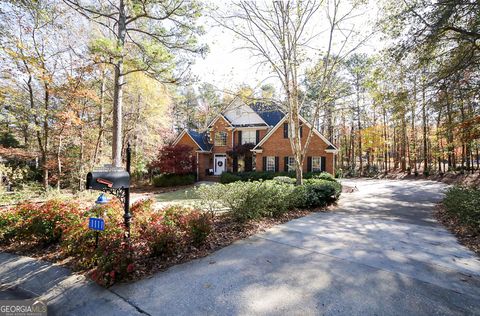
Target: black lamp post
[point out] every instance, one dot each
(127, 216)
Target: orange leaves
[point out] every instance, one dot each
(17, 153)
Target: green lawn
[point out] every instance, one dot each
(183, 195)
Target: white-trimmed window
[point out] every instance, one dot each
(271, 163)
(291, 163)
(316, 164)
(221, 139)
(249, 137)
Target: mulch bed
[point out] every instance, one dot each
(466, 235)
(225, 231)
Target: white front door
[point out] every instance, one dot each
(220, 165)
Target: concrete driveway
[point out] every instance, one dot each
(380, 253)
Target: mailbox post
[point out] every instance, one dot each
(127, 216)
(117, 183)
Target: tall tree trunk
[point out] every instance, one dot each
(450, 143)
(44, 149)
(119, 81)
(385, 140)
(99, 143)
(413, 138)
(424, 123)
(359, 125)
(439, 142)
(403, 144)
(59, 161)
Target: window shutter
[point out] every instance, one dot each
(235, 164)
(301, 131)
(257, 140)
(285, 130)
(277, 164)
(285, 161)
(239, 137)
(309, 164)
(324, 164)
(264, 160)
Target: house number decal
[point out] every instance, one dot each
(220, 163)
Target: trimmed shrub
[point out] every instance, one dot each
(160, 233)
(198, 226)
(38, 223)
(228, 177)
(115, 260)
(250, 200)
(318, 193)
(283, 179)
(162, 239)
(322, 176)
(171, 180)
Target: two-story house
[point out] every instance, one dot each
(253, 138)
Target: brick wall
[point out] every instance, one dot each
(221, 126)
(276, 146)
(280, 147)
(203, 159)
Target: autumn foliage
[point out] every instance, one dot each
(179, 159)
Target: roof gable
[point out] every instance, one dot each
(240, 114)
(330, 146)
(200, 139)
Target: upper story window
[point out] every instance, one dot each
(285, 130)
(220, 139)
(249, 137)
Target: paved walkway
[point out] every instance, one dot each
(380, 253)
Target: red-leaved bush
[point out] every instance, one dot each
(179, 159)
(162, 233)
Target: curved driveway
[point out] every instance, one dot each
(380, 253)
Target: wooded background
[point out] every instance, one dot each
(412, 107)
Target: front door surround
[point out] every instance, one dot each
(220, 162)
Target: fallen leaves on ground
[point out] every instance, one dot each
(466, 235)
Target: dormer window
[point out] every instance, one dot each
(221, 139)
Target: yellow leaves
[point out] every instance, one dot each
(69, 118)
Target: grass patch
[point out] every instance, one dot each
(187, 194)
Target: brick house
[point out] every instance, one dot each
(253, 138)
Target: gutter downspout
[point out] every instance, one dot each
(198, 175)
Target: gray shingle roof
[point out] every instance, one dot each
(268, 112)
(201, 139)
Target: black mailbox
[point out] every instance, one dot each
(100, 180)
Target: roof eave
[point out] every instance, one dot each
(331, 151)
